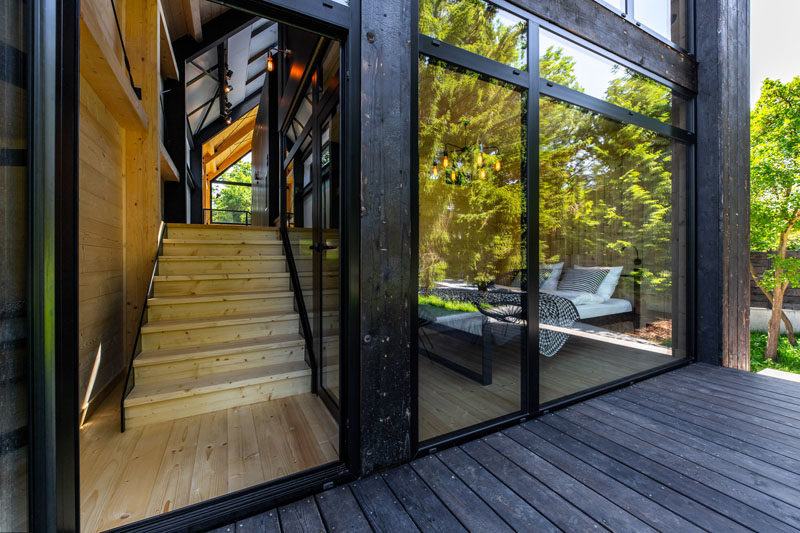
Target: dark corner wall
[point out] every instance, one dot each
(723, 182)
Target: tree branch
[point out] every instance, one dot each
(785, 319)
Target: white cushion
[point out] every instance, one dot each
(577, 297)
(551, 283)
(609, 285)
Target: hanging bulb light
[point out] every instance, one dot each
(479, 159)
(497, 166)
(270, 63)
(445, 161)
(228, 88)
(453, 176)
(483, 174)
(435, 169)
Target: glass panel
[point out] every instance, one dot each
(665, 17)
(612, 250)
(13, 272)
(575, 67)
(472, 274)
(618, 4)
(329, 221)
(479, 27)
(230, 203)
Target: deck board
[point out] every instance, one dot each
(699, 448)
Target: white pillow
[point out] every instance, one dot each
(551, 283)
(578, 297)
(609, 285)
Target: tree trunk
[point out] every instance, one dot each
(786, 322)
(774, 328)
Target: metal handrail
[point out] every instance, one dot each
(130, 377)
(211, 211)
(301, 304)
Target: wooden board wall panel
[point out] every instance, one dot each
(386, 65)
(143, 182)
(101, 181)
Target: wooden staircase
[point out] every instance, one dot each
(221, 328)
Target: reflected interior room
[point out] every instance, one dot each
(611, 211)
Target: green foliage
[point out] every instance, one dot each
(784, 271)
(788, 356)
(233, 197)
(451, 305)
(775, 166)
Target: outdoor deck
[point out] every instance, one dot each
(700, 448)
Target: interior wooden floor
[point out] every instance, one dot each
(156, 468)
(449, 401)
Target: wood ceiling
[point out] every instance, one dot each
(186, 17)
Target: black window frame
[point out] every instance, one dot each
(530, 80)
(629, 14)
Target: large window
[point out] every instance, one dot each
(232, 195)
(608, 198)
(471, 252)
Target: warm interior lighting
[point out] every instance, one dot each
(435, 169)
(270, 63)
(228, 119)
(445, 161)
(453, 176)
(228, 88)
(483, 174)
(479, 160)
(497, 166)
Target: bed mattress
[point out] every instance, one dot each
(610, 307)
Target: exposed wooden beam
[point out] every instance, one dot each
(169, 66)
(167, 168)
(244, 128)
(231, 159)
(194, 24)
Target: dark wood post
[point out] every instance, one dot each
(723, 182)
(385, 413)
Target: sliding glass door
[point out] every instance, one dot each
(524, 126)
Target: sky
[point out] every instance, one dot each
(774, 42)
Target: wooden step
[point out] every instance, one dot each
(210, 247)
(186, 284)
(174, 265)
(150, 403)
(198, 331)
(220, 232)
(195, 361)
(218, 305)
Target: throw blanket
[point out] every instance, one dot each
(505, 315)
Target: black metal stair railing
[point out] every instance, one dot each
(299, 302)
(130, 376)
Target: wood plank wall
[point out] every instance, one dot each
(101, 183)
(120, 201)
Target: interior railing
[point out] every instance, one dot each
(130, 376)
(226, 216)
(299, 301)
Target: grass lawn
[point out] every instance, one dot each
(788, 355)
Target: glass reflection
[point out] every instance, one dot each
(479, 27)
(612, 250)
(665, 17)
(575, 67)
(472, 273)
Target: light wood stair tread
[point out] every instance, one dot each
(222, 258)
(224, 297)
(186, 387)
(267, 242)
(233, 227)
(211, 277)
(206, 322)
(185, 353)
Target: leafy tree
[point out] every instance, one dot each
(233, 197)
(775, 194)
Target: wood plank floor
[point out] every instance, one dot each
(155, 468)
(698, 449)
(449, 401)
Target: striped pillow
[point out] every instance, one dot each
(582, 280)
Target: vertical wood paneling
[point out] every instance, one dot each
(385, 232)
(723, 174)
(101, 182)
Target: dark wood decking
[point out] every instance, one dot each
(700, 448)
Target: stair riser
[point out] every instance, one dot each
(221, 234)
(217, 364)
(195, 337)
(219, 309)
(227, 250)
(265, 266)
(182, 407)
(219, 286)
(328, 282)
